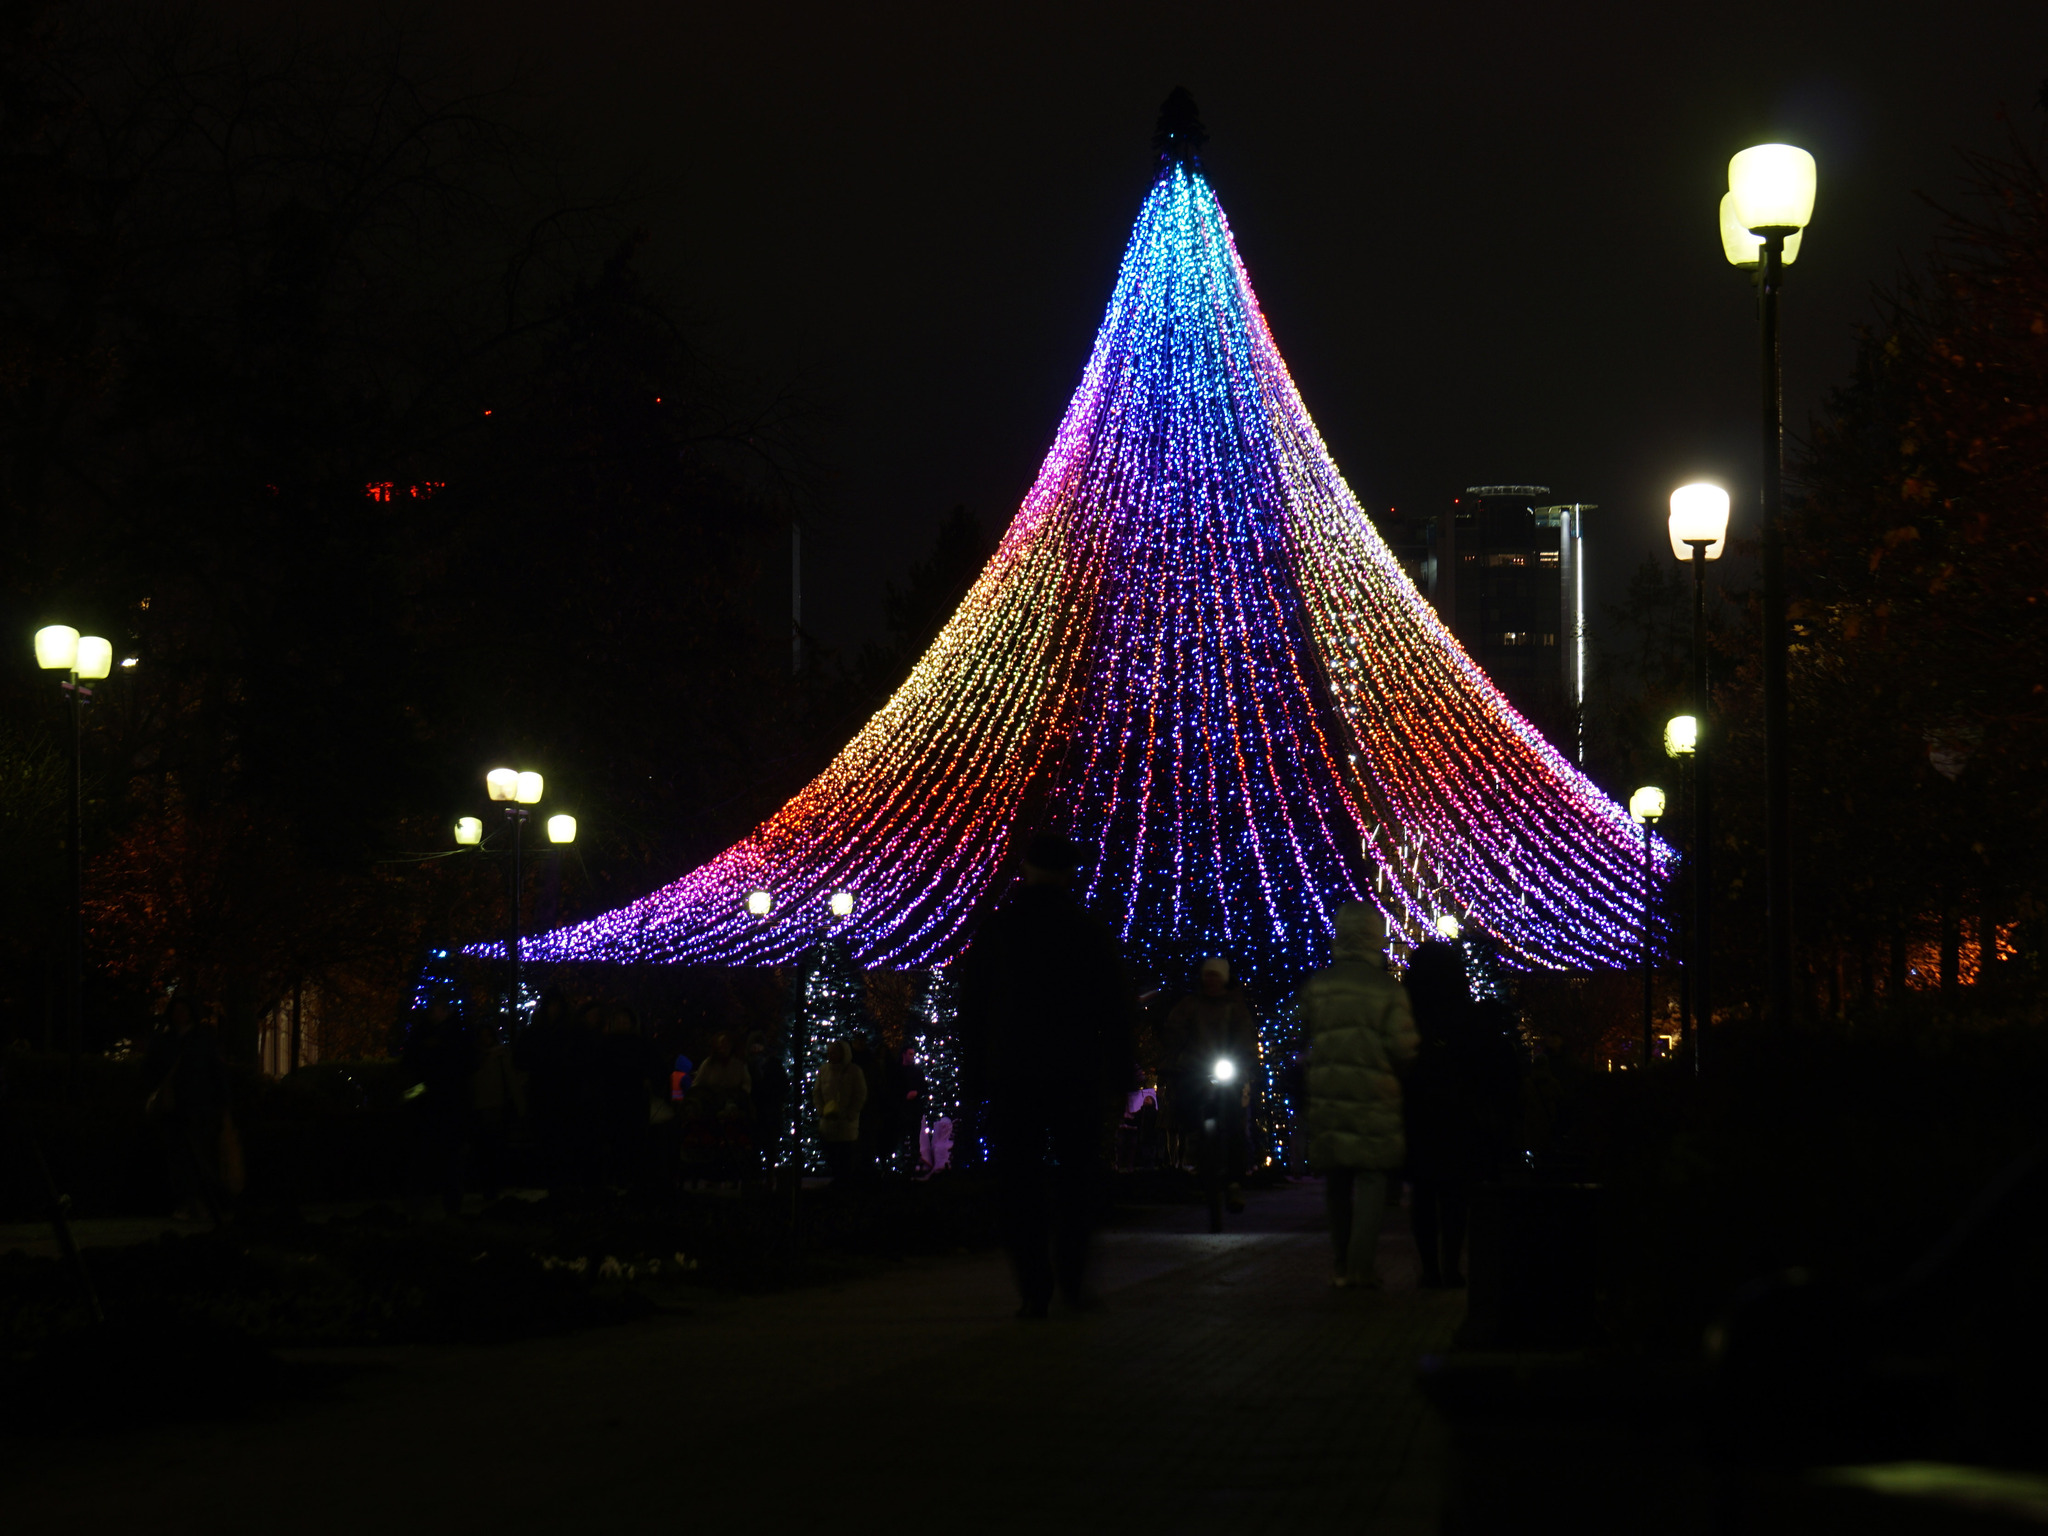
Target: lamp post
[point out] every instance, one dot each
(1681, 740)
(1645, 806)
(1763, 217)
(1699, 532)
(518, 792)
(84, 660)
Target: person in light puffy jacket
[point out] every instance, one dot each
(839, 1092)
(1360, 1031)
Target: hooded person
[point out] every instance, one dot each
(1360, 1032)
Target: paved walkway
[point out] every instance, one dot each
(1223, 1387)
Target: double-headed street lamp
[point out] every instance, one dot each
(518, 792)
(1645, 807)
(1699, 532)
(84, 660)
(1768, 206)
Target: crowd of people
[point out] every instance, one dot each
(1403, 1079)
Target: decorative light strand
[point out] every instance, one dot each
(1193, 653)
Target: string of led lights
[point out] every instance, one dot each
(1192, 653)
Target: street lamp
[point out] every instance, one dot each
(1770, 194)
(760, 903)
(85, 660)
(842, 903)
(1699, 532)
(469, 831)
(561, 830)
(1646, 806)
(1448, 927)
(516, 791)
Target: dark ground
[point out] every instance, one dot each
(1223, 1386)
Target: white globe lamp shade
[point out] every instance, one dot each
(1744, 249)
(1698, 512)
(57, 648)
(468, 831)
(526, 789)
(1448, 927)
(95, 657)
(1646, 804)
(503, 784)
(1681, 736)
(561, 829)
(1773, 187)
(842, 903)
(760, 903)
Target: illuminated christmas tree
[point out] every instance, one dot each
(1192, 653)
(937, 1043)
(828, 1004)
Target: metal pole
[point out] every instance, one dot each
(518, 815)
(1702, 821)
(1777, 782)
(76, 833)
(1649, 968)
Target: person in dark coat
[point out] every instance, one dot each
(1446, 1130)
(1046, 1030)
(770, 1098)
(548, 1053)
(440, 1065)
(623, 1071)
(186, 1079)
(1214, 1021)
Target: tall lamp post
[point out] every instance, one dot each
(84, 660)
(1646, 806)
(518, 792)
(1768, 206)
(1681, 739)
(1699, 532)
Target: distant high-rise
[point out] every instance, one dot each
(1504, 568)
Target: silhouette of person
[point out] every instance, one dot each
(1046, 1028)
(1438, 1111)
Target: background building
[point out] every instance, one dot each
(1504, 568)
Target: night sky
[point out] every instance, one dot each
(1484, 234)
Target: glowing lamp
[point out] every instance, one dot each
(561, 829)
(842, 903)
(760, 903)
(57, 648)
(1698, 512)
(468, 831)
(1681, 736)
(503, 784)
(527, 789)
(1448, 927)
(1741, 247)
(95, 658)
(1224, 1070)
(1646, 804)
(1772, 186)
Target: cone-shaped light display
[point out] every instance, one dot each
(1192, 653)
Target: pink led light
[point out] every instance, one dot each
(1192, 652)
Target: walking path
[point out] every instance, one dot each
(1223, 1386)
